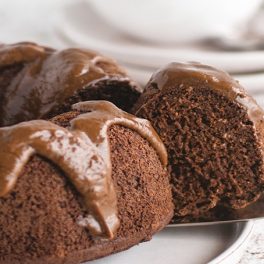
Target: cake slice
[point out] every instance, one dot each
(214, 133)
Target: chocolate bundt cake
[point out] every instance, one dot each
(214, 134)
(88, 183)
(37, 82)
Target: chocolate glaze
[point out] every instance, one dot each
(49, 77)
(222, 82)
(22, 52)
(82, 152)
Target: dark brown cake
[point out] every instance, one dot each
(213, 132)
(40, 82)
(39, 216)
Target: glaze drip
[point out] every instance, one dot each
(75, 154)
(82, 152)
(104, 114)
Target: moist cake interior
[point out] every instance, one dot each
(213, 154)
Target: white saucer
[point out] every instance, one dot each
(79, 25)
(189, 245)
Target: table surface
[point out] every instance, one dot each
(18, 26)
(255, 250)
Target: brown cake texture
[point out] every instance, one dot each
(38, 217)
(40, 82)
(213, 131)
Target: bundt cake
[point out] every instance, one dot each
(37, 82)
(214, 134)
(86, 184)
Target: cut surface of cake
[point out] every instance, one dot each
(214, 133)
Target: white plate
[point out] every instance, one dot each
(188, 245)
(79, 25)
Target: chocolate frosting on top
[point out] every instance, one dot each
(48, 77)
(82, 152)
(176, 73)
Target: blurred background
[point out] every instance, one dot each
(144, 35)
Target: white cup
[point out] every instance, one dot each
(176, 21)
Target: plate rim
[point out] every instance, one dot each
(247, 228)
